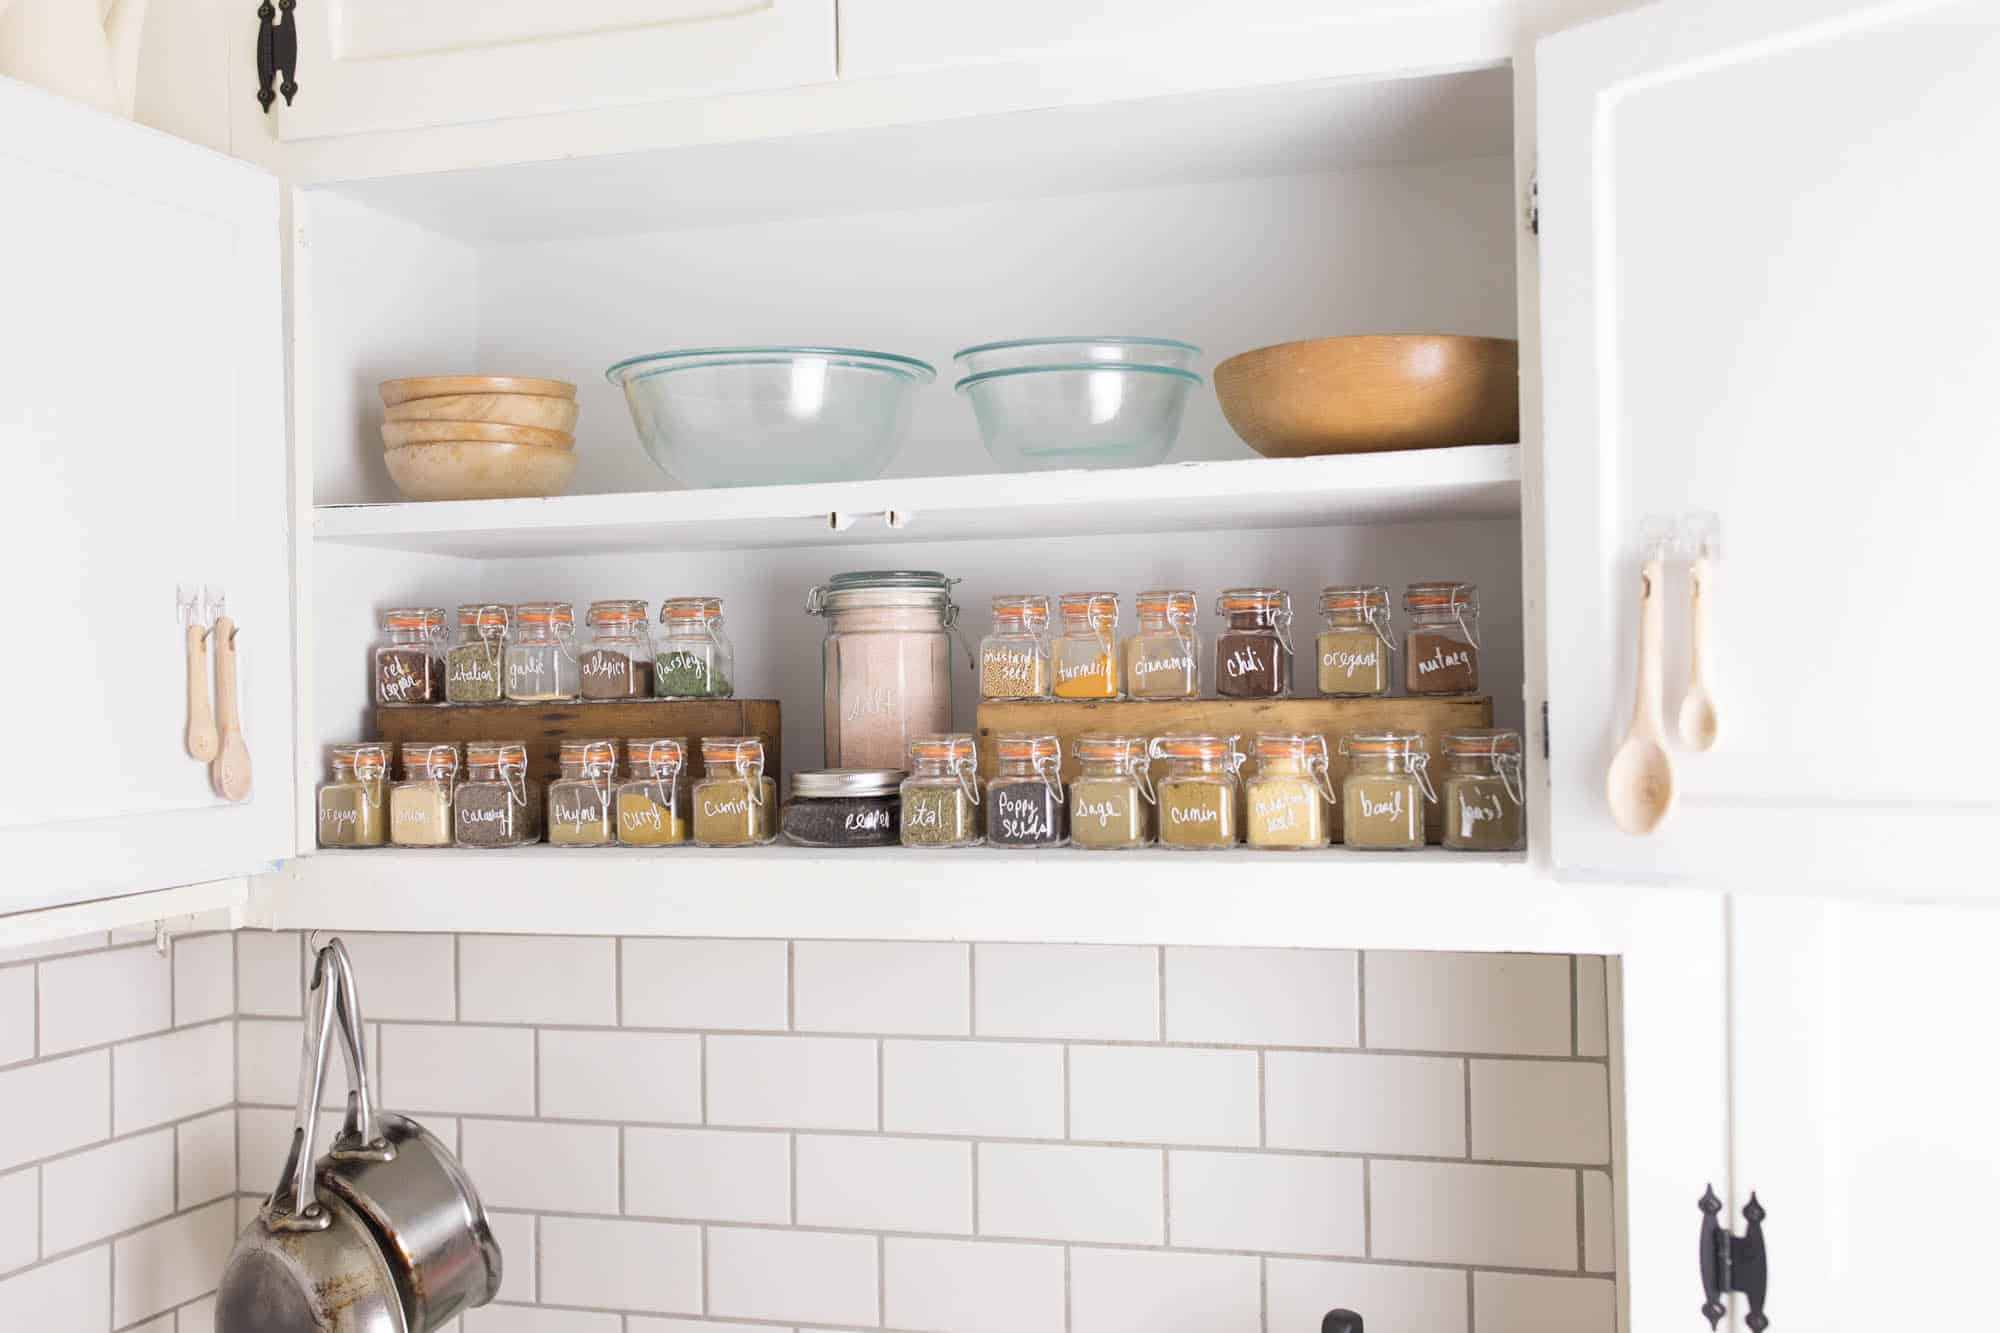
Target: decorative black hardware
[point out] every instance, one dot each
(1733, 1263)
(277, 51)
(1340, 1321)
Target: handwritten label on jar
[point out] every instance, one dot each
(471, 669)
(713, 809)
(1472, 812)
(1277, 814)
(923, 816)
(1390, 809)
(1348, 663)
(643, 817)
(868, 701)
(1019, 819)
(1009, 665)
(866, 821)
(581, 812)
(1143, 667)
(1102, 811)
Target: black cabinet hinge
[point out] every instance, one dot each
(1732, 1263)
(1545, 729)
(277, 51)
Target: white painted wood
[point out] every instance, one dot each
(144, 422)
(174, 910)
(1757, 225)
(1858, 1104)
(392, 65)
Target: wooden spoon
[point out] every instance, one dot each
(1699, 723)
(201, 738)
(230, 773)
(1640, 785)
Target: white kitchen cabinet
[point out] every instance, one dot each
(143, 419)
(1766, 234)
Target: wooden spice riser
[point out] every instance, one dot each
(543, 727)
(1331, 718)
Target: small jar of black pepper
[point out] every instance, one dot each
(1253, 655)
(1024, 799)
(409, 657)
(844, 807)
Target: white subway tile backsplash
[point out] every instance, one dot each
(264, 1137)
(410, 977)
(792, 1082)
(205, 1153)
(515, 1234)
(1163, 1095)
(641, 1266)
(55, 1106)
(166, 1323)
(1263, 997)
(462, 1070)
(1541, 1111)
(17, 1015)
(103, 997)
(860, 986)
(529, 979)
(72, 1294)
(1465, 1213)
(1254, 1201)
(1407, 1105)
(1153, 1291)
(269, 973)
(103, 1191)
(1002, 1089)
(530, 1164)
(1049, 1191)
(1593, 1013)
(1520, 1303)
(709, 1175)
(1501, 1004)
(972, 1286)
(1301, 1291)
(650, 1324)
(175, 1076)
(1599, 1252)
(532, 1319)
(20, 1219)
(630, 1076)
(826, 1277)
(204, 978)
(1110, 992)
(196, 1316)
(267, 1063)
(716, 985)
(884, 1184)
(171, 1262)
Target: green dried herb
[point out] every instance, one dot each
(680, 674)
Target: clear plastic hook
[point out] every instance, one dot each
(1701, 535)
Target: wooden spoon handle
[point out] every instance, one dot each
(230, 773)
(201, 741)
(1701, 670)
(1647, 710)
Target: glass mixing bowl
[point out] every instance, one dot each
(1082, 416)
(1021, 352)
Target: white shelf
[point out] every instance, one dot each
(1481, 481)
(1334, 899)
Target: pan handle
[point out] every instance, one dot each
(360, 1138)
(294, 1203)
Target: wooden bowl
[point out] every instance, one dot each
(1372, 394)
(503, 409)
(399, 434)
(438, 386)
(473, 470)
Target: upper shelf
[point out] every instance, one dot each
(1480, 481)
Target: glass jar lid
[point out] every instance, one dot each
(428, 619)
(1254, 601)
(623, 613)
(822, 783)
(1441, 597)
(879, 588)
(366, 759)
(1196, 746)
(690, 611)
(1023, 609)
(484, 617)
(496, 754)
(732, 751)
(661, 752)
(1019, 748)
(1289, 745)
(1480, 743)
(429, 759)
(591, 754)
(955, 747)
(1104, 748)
(1089, 607)
(1167, 603)
(1390, 744)
(1365, 599)
(545, 615)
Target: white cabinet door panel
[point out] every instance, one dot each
(405, 64)
(1767, 286)
(142, 420)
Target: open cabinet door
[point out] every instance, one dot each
(1768, 267)
(142, 399)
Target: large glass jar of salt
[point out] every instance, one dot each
(886, 663)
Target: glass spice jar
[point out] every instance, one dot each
(654, 798)
(475, 663)
(1025, 803)
(1253, 653)
(1085, 652)
(1482, 791)
(886, 663)
(693, 658)
(352, 810)
(1111, 799)
(409, 658)
(844, 807)
(541, 654)
(1163, 656)
(1287, 802)
(1200, 791)
(580, 813)
(496, 804)
(1382, 799)
(1014, 658)
(420, 805)
(735, 805)
(1441, 653)
(941, 795)
(1355, 647)
(618, 664)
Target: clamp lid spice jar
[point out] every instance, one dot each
(844, 807)
(409, 658)
(652, 804)
(351, 807)
(1382, 799)
(1025, 803)
(1111, 799)
(618, 664)
(1086, 650)
(1355, 647)
(580, 813)
(1253, 655)
(497, 804)
(474, 665)
(541, 654)
(1014, 658)
(886, 663)
(1288, 799)
(420, 805)
(1199, 792)
(735, 805)
(1482, 790)
(693, 658)
(941, 795)
(1441, 655)
(1163, 656)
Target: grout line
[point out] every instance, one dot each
(972, 1164)
(1367, 1208)
(1160, 978)
(1167, 1198)
(707, 1260)
(881, 1084)
(792, 1162)
(1065, 1091)
(1263, 1105)
(702, 1077)
(621, 1171)
(1582, 1224)
(535, 1056)
(618, 982)
(1263, 1294)
(1361, 999)
(881, 1279)
(540, 1251)
(1069, 1292)
(1471, 1314)
(1575, 1038)
(1465, 1067)
(791, 986)
(971, 974)
(457, 977)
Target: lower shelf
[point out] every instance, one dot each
(1431, 899)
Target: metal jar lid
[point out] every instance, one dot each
(817, 783)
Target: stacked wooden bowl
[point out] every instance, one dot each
(479, 437)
